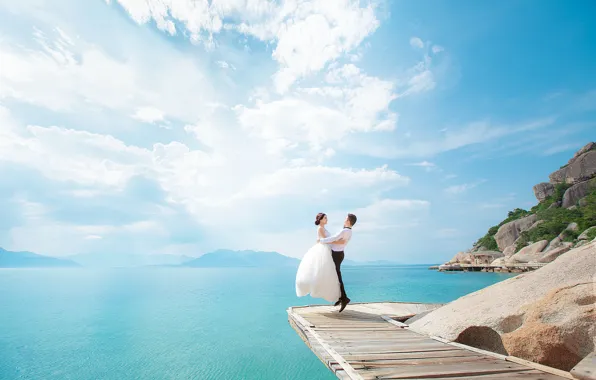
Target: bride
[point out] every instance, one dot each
(317, 274)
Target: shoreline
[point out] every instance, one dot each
(508, 268)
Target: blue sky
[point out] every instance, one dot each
(180, 127)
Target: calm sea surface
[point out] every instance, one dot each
(178, 323)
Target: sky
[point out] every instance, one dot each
(184, 126)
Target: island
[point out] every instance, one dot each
(563, 219)
(9, 259)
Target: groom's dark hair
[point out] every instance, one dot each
(352, 218)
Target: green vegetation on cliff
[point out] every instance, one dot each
(572, 199)
(557, 197)
(488, 241)
(554, 221)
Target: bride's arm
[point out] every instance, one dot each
(332, 239)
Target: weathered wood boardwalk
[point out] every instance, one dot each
(366, 341)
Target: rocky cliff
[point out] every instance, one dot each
(547, 316)
(564, 218)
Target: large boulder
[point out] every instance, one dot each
(509, 251)
(579, 169)
(554, 244)
(551, 255)
(532, 252)
(586, 148)
(461, 258)
(578, 191)
(499, 262)
(547, 316)
(553, 337)
(543, 190)
(509, 232)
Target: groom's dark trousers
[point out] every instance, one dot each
(338, 257)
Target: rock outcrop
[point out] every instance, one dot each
(580, 167)
(530, 253)
(509, 232)
(551, 255)
(509, 250)
(586, 148)
(461, 258)
(543, 190)
(584, 235)
(577, 192)
(547, 316)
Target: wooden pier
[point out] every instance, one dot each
(368, 341)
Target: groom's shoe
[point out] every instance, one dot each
(337, 303)
(344, 303)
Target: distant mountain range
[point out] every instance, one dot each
(227, 258)
(218, 259)
(10, 259)
(117, 260)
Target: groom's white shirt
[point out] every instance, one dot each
(345, 234)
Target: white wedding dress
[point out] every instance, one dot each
(316, 274)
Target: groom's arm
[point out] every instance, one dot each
(332, 239)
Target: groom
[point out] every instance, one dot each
(338, 243)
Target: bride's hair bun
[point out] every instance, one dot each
(320, 216)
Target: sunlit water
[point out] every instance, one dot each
(178, 323)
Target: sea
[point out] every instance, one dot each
(183, 323)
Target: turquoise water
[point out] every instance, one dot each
(175, 323)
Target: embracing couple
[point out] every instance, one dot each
(319, 272)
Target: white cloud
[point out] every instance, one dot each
(416, 42)
(225, 65)
(428, 166)
(69, 155)
(462, 188)
(307, 35)
(436, 49)
(429, 146)
(61, 75)
(391, 214)
(148, 115)
(320, 181)
(247, 159)
(352, 102)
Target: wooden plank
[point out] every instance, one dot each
(366, 342)
(541, 367)
(523, 375)
(393, 322)
(352, 374)
(586, 369)
(397, 363)
(411, 355)
(485, 366)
